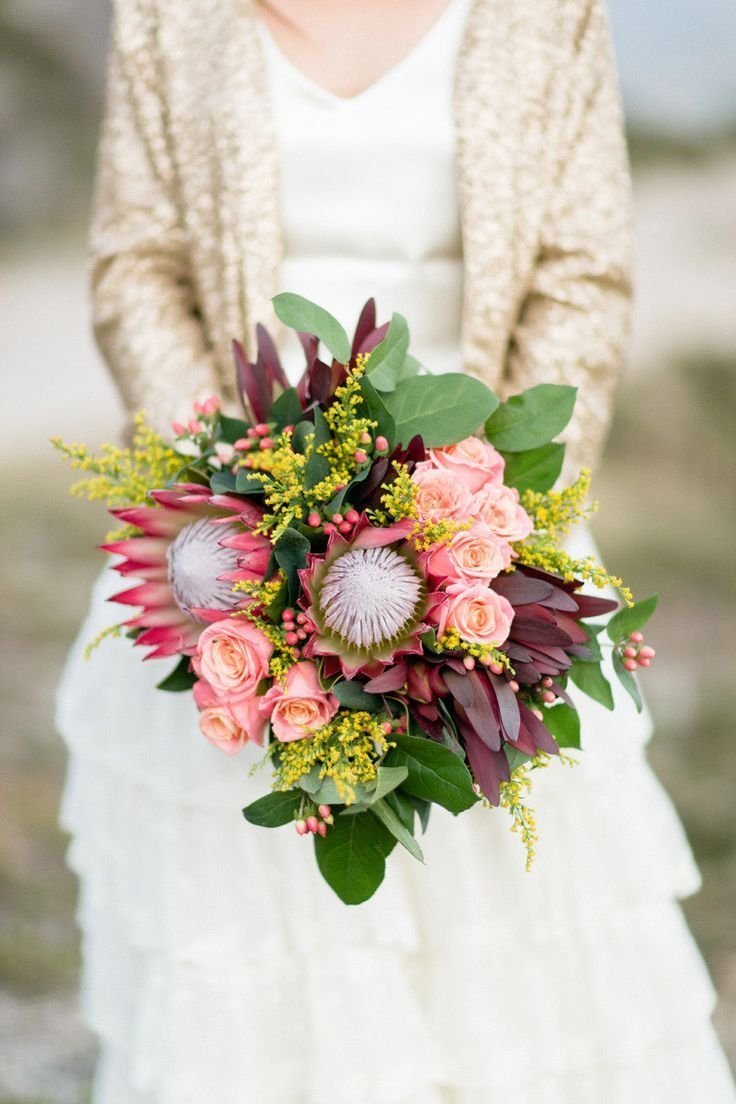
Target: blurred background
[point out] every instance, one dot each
(667, 482)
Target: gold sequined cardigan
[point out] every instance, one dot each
(186, 237)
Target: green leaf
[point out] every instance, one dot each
(375, 409)
(409, 368)
(399, 831)
(628, 681)
(443, 409)
(534, 469)
(181, 678)
(350, 693)
(222, 482)
(286, 409)
(515, 757)
(421, 807)
(232, 429)
(593, 630)
(352, 856)
(387, 359)
(302, 315)
(403, 805)
(631, 618)
(564, 723)
(317, 466)
(388, 778)
(274, 809)
(532, 418)
(302, 430)
(246, 484)
(291, 555)
(589, 678)
(434, 772)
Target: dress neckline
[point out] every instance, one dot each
(421, 44)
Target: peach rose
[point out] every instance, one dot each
(299, 706)
(228, 724)
(473, 461)
(440, 494)
(500, 509)
(221, 729)
(480, 615)
(475, 555)
(232, 656)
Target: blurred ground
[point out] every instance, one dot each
(668, 476)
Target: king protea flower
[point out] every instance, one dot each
(193, 547)
(367, 597)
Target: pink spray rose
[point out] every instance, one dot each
(474, 555)
(232, 656)
(473, 461)
(500, 509)
(440, 494)
(228, 724)
(479, 614)
(299, 706)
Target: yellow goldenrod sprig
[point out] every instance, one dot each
(348, 750)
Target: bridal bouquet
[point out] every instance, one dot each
(366, 576)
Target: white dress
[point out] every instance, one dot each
(219, 968)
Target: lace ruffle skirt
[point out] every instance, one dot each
(219, 967)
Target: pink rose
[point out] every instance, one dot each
(474, 555)
(232, 656)
(299, 706)
(228, 725)
(440, 494)
(499, 508)
(480, 615)
(473, 461)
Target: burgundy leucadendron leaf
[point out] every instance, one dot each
(255, 392)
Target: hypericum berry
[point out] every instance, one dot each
(495, 667)
(345, 527)
(514, 685)
(646, 652)
(337, 519)
(312, 823)
(301, 618)
(630, 664)
(322, 828)
(548, 696)
(636, 637)
(291, 639)
(352, 516)
(630, 652)
(242, 443)
(381, 444)
(329, 528)
(266, 443)
(195, 426)
(387, 727)
(248, 462)
(288, 614)
(360, 456)
(301, 827)
(365, 437)
(251, 432)
(546, 682)
(300, 634)
(261, 429)
(179, 429)
(468, 663)
(324, 810)
(314, 520)
(644, 662)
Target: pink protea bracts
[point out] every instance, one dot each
(194, 546)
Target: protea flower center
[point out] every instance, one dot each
(196, 558)
(369, 596)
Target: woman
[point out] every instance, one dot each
(464, 163)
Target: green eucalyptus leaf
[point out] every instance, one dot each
(291, 555)
(564, 723)
(223, 482)
(350, 693)
(304, 316)
(628, 681)
(286, 409)
(398, 830)
(246, 484)
(443, 409)
(589, 678)
(534, 469)
(387, 779)
(434, 772)
(409, 368)
(532, 418)
(181, 678)
(631, 618)
(387, 359)
(274, 809)
(352, 856)
(232, 429)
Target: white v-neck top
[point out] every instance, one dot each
(368, 193)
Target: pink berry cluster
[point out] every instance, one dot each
(204, 412)
(635, 653)
(257, 437)
(297, 627)
(316, 823)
